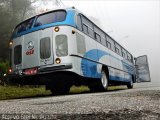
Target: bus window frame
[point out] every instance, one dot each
(80, 20)
(96, 34)
(106, 37)
(84, 29)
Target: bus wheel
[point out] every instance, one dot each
(60, 90)
(130, 85)
(104, 81)
(101, 84)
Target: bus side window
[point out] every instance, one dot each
(87, 24)
(124, 53)
(98, 37)
(79, 23)
(132, 59)
(102, 34)
(118, 49)
(97, 33)
(85, 28)
(112, 43)
(81, 46)
(103, 41)
(129, 57)
(108, 44)
(91, 32)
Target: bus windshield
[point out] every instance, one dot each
(47, 18)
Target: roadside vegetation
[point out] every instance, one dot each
(13, 92)
(4, 65)
(16, 92)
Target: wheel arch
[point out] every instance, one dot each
(105, 68)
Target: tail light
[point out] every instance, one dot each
(10, 70)
(31, 71)
(10, 43)
(58, 60)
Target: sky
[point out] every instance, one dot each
(135, 24)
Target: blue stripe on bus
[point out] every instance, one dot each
(122, 79)
(71, 18)
(69, 21)
(89, 68)
(127, 67)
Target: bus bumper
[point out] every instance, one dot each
(42, 73)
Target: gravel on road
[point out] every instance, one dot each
(133, 104)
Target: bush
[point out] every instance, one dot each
(4, 66)
(3, 70)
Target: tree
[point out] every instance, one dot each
(11, 12)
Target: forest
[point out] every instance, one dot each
(13, 12)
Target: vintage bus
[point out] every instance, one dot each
(63, 47)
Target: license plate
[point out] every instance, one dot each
(32, 71)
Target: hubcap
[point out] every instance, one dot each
(104, 79)
(131, 83)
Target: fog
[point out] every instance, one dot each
(137, 19)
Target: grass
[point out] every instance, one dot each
(14, 92)
(113, 88)
(81, 89)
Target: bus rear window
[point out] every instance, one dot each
(47, 18)
(24, 26)
(45, 48)
(56, 16)
(18, 54)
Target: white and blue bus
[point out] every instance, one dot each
(63, 47)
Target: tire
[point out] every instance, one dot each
(60, 90)
(100, 85)
(130, 85)
(104, 80)
(60, 85)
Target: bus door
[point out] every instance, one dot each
(46, 46)
(142, 69)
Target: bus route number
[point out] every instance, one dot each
(30, 52)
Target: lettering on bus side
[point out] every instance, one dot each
(30, 52)
(30, 47)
